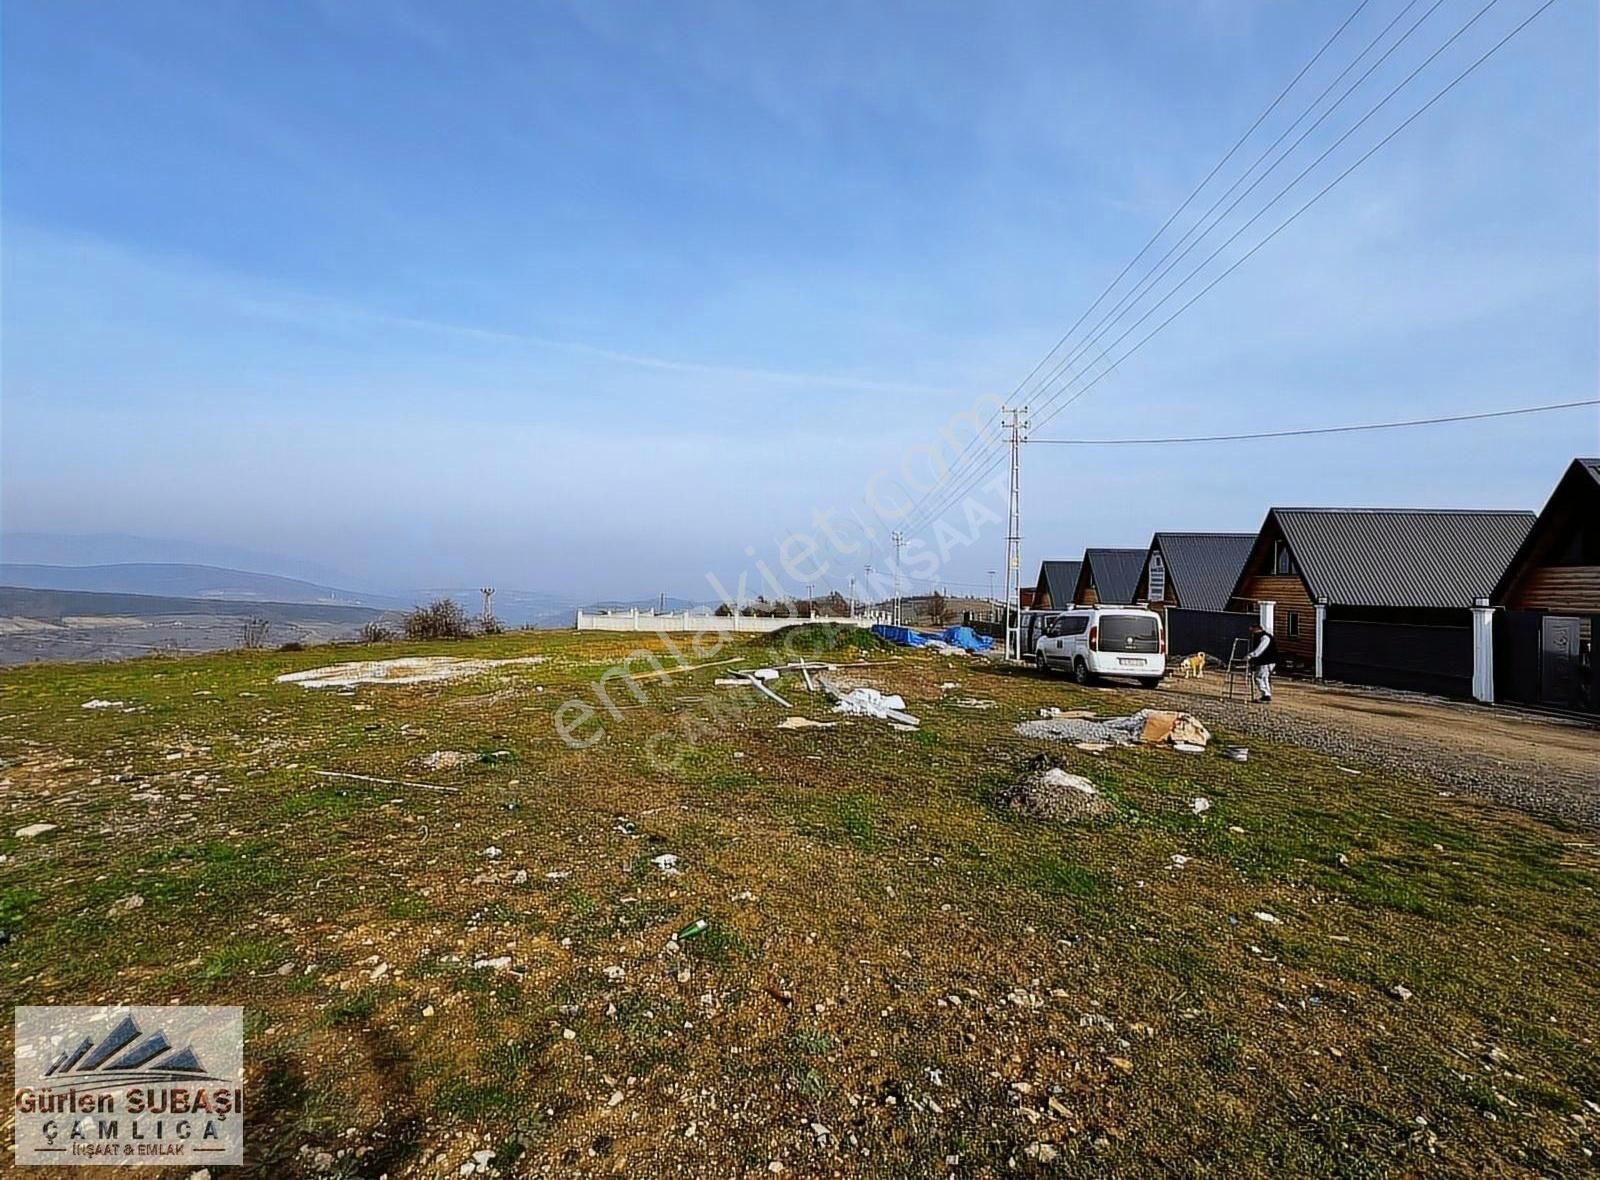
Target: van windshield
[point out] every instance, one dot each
(1129, 633)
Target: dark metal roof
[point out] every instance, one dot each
(1568, 486)
(1203, 567)
(1059, 579)
(1401, 557)
(1115, 573)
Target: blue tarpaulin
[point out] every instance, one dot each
(904, 636)
(967, 639)
(963, 637)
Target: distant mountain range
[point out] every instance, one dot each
(172, 580)
(512, 607)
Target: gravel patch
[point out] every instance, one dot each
(1538, 788)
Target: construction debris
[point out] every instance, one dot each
(869, 702)
(805, 723)
(1055, 794)
(1148, 726)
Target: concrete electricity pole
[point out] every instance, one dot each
(899, 540)
(811, 600)
(488, 608)
(991, 596)
(1017, 422)
(852, 596)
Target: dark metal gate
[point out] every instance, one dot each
(1413, 656)
(1558, 661)
(1516, 656)
(1210, 631)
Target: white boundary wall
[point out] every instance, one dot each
(742, 624)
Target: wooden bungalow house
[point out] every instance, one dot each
(1550, 592)
(1379, 596)
(1057, 582)
(1195, 571)
(1109, 577)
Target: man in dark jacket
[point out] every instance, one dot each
(1263, 660)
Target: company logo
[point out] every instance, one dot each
(121, 1086)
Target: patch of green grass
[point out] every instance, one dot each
(240, 956)
(1053, 874)
(715, 944)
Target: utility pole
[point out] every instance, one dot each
(991, 596)
(663, 608)
(869, 579)
(1017, 422)
(852, 596)
(488, 608)
(811, 600)
(899, 540)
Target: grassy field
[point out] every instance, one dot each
(897, 976)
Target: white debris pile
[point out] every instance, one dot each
(405, 670)
(98, 703)
(1056, 794)
(869, 702)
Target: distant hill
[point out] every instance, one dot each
(185, 581)
(54, 605)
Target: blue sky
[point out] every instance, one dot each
(601, 298)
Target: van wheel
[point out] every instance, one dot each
(1081, 673)
(1149, 682)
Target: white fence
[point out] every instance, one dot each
(743, 624)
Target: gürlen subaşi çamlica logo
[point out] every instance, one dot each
(128, 1086)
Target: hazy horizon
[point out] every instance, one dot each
(600, 300)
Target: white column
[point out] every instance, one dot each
(1322, 617)
(1482, 651)
(1264, 611)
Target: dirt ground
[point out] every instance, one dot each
(1544, 764)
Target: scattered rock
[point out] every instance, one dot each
(499, 963)
(1200, 805)
(97, 703)
(667, 863)
(125, 905)
(805, 723)
(33, 830)
(1040, 1153)
(1400, 992)
(446, 760)
(1269, 919)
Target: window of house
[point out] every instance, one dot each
(1282, 559)
(1157, 590)
(1294, 624)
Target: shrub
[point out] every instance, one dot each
(375, 633)
(292, 645)
(442, 618)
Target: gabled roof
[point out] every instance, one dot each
(1059, 579)
(1405, 557)
(1114, 573)
(1203, 567)
(1583, 476)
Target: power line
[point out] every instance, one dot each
(1207, 438)
(1322, 192)
(1163, 267)
(1176, 213)
(1047, 412)
(995, 463)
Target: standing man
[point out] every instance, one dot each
(1263, 659)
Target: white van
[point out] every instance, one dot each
(1090, 642)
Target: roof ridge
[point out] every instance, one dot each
(1418, 511)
